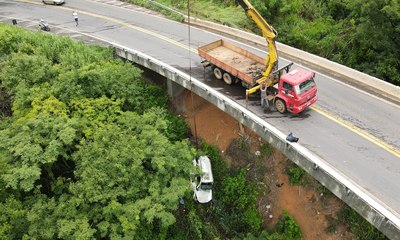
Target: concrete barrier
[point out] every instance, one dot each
(381, 216)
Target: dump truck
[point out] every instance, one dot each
(232, 63)
(291, 91)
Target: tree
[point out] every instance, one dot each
(35, 142)
(373, 46)
(144, 177)
(76, 161)
(12, 218)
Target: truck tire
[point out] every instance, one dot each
(217, 73)
(228, 79)
(280, 105)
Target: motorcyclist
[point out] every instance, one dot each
(43, 25)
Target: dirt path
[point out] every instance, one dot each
(305, 204)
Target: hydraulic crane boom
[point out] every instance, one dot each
(270, 34)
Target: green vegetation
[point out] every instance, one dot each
(297, 176)
(266, 150)
(240, 195)
(286, 228)
(358, 226)
(88, 150)
(169, 12)
(361, 34)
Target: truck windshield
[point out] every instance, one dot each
(206, 186)
(304, 86)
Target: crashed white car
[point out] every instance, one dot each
(203, 182)
(55, 2)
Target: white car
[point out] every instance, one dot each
(202, 183)
(55, 2)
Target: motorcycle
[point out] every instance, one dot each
(44, 26)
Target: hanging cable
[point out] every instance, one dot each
(190, 77)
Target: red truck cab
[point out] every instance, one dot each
(296, 91)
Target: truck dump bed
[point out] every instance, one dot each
(234, 60)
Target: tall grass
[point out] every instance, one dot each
(232, 16)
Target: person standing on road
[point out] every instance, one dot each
(75, 17)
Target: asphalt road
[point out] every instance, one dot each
(354, 131)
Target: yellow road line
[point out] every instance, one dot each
(334, 118)
(358, 131)
(159, 36)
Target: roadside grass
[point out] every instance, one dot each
(232, 16)
(160, 9)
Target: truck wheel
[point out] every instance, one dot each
(280, 105)
(218, 73)
(228, 78)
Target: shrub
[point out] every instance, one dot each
(288, 227)
(177, 129)
(295, 174)
(266, 149)
(361, 228)
(253, 218)
(237, 192)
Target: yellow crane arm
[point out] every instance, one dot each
(270, 34)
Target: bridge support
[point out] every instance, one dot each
(174, 89)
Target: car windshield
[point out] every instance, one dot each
(304, 86)
(206, 186)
